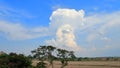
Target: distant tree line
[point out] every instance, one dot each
(98, 59)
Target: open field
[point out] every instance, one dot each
(87, 64)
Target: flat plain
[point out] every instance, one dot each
(86, 64)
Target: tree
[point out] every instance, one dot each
(64, 55)
(40, 53)
(44, 53)
(14, 60)
(72, 56)
(4, 60)
(50, 50)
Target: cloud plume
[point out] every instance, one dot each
(87, 33)
(64, 21)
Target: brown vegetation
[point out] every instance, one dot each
(85, 64)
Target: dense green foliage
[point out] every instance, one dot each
(14, 61)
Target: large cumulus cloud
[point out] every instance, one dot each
(65, 22)
(84, 34)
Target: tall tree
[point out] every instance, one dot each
(63, 56)
(71, 55)
(40, 53)
(50, 50)
(44, 53)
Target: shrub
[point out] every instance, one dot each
(14, 61)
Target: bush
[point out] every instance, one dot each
(14, 61)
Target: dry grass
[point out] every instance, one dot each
(86, 64)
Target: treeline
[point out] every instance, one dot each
(14, 60)
(98, 59)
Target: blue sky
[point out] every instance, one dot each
(90, 28)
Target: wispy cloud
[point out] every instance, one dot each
(101, 23)
(11, 27)
(14, 14)
(18, 32)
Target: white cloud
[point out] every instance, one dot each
(67, 23)
(18, 32)
(10, 13)
(67, 16)
(14, 30)
(106, 39)
(65, 36)
(101, 23)
(64, 22)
